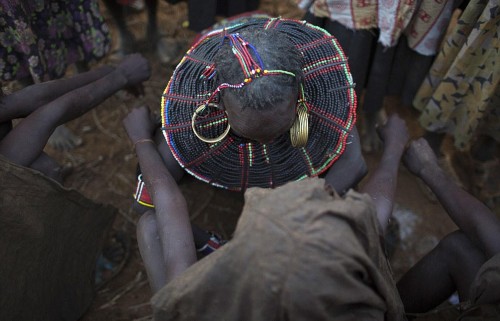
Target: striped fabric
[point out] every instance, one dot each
(236, 163)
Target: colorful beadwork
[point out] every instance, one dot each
(237, 163)
(250, 67)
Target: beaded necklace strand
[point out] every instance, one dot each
(251, 68)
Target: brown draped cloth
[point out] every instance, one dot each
(50, 238)
(297, 254)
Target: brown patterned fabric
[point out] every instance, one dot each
(297, 254)
(50, 240)
(460, 95)
(423, 22)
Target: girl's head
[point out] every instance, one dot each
(265, 106)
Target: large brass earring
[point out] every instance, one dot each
(299, 132)
(205, 139)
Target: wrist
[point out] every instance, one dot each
(143, 141)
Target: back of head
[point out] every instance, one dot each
(276, 52)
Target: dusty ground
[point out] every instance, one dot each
(104, 169)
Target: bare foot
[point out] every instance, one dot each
(64, 139)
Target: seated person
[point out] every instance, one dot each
(261, 102)
(45, 106)
(300, 251)
(51, 235)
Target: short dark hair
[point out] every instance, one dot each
(277, 53)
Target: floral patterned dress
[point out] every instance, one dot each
(40, 38)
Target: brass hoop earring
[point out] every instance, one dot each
(204, 139)
(299, 132)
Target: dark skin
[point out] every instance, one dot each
(164, 234)
(163, 258)
(455, 261)
(264, 126)
(47, 105)
(451, 266)
(382, 183)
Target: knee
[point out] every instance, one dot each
(453, 241)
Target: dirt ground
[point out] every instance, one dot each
(104, 169)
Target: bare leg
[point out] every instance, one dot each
(350, 168)
(450, 266)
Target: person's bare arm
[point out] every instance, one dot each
(381, 185)
(25, 142)
(350, 168)
(172, 215)
(476, 220)
(24, 101)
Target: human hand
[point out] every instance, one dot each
(135, 68)
(394, 132)
(419, 155)
(139, 124)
